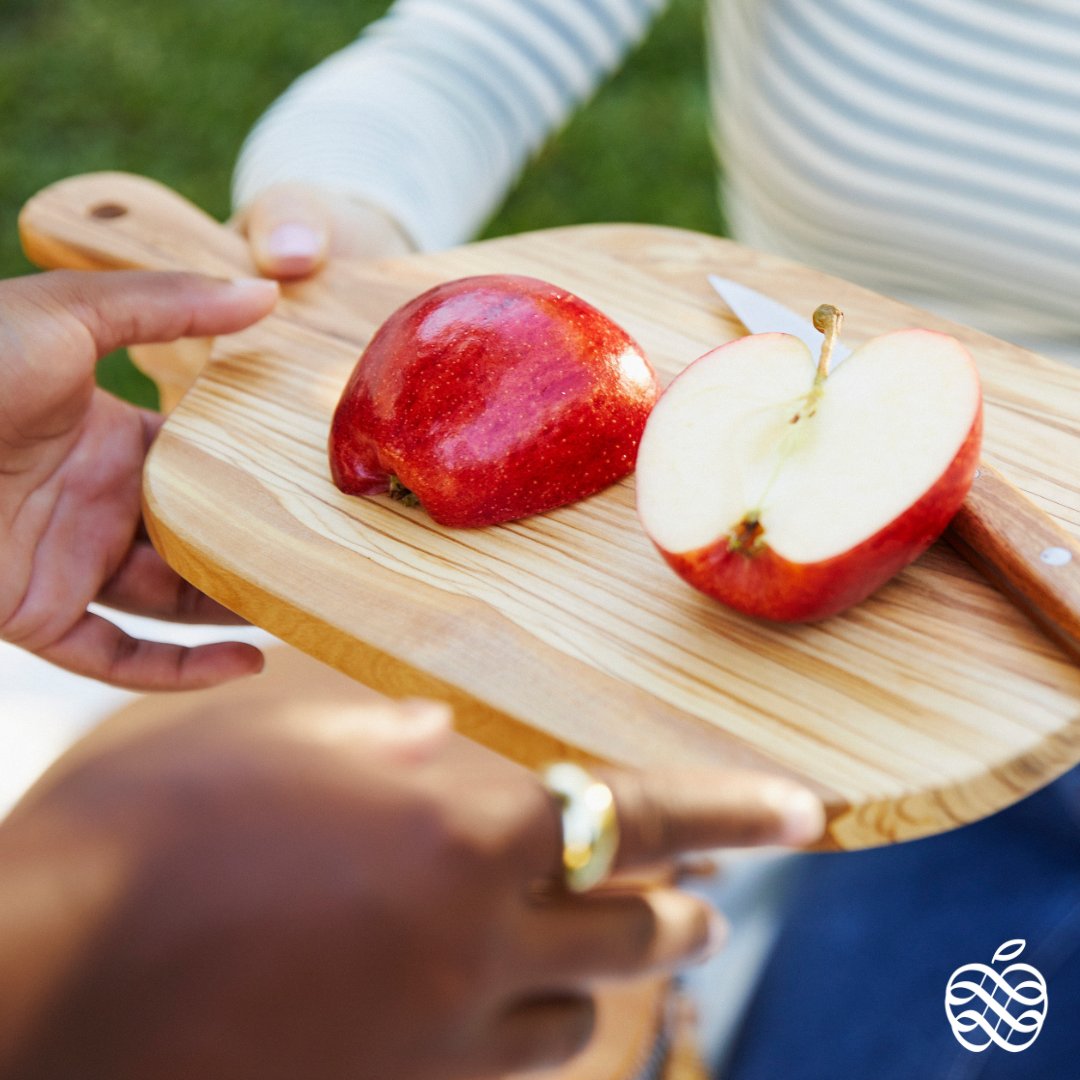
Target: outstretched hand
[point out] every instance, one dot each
(280, 888)
(71, 459)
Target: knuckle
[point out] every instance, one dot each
(499, 826)
(35, 623)
(460, 850)
(125, 649)
(646, 819)
(442, 837)
(635, 943)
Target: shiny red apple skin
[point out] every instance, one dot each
(768, 586)
(493, 398)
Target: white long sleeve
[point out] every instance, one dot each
(929, 149)
(434, 111)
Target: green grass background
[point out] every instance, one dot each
(170, 90)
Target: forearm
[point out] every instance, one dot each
(432, 113)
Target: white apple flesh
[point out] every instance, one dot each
(791, 495)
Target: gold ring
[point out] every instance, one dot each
(590, 828)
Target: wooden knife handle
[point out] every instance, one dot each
(117, 221)
(1024, 552)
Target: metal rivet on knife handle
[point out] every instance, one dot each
(1034, 561)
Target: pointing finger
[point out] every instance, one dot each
(122, 307)
(662, 815)
(614, 935)
(97, 648)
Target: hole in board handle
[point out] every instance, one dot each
(107, 211)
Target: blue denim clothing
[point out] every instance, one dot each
(855, 987)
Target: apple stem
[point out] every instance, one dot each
(827, 320)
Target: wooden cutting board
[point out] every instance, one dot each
(930, 705)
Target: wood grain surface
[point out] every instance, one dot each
(930, 705)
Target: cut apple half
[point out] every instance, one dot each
(492, 398)
(791, 493)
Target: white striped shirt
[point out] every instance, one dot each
(927, 148)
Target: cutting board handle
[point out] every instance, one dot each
(118, 221)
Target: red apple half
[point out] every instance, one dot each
(789, 493)
(492, 398)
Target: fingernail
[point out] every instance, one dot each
(719, 932)
(421, 714)
(293, 240)
(256, 284)
(421, 728)
(802, 817)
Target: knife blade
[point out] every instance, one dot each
(999, 530)
(761, 314)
